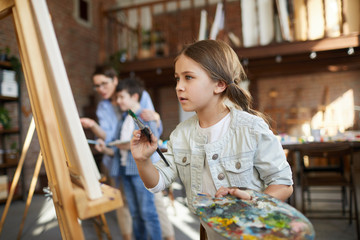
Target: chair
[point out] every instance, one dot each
(324, 164)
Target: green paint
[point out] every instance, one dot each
(276, 220)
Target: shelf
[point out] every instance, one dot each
(11, 135)
(8, 99)
(9, 131)
(299, 47)
(261, 61)
(5, 64)
(259, 52)
(8, 165)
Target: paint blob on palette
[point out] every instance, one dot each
(262, 217)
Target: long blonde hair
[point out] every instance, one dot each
(221, 63)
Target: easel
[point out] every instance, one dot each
(99, 221)
(68, 161)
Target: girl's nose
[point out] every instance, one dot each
(179, 86)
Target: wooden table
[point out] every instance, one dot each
(293, 156)
(299, 146)
(294, 149)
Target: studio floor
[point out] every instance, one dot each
(41, 222)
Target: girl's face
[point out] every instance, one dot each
(104, 85)
(194, 88)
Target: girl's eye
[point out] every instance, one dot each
(176, 79)
(188, 77)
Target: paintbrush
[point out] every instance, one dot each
(94, 142)
(110, 144)
(146, 131)
(90, 141)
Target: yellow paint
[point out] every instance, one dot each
(249, 237)
(271, 237)
(223, 221)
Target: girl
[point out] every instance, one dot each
(223, 147)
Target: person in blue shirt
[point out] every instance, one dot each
(105, 81)
(140, 201)
(108, 113)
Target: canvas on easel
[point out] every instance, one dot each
(80, 156)
(69, 164)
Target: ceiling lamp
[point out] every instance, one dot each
(313, 55)
(278, 59)
(350, 51)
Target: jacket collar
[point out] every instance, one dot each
(201, 139)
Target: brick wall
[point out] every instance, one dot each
(300, 98)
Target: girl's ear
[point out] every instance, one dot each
(220, 87)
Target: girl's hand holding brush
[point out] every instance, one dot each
(141, 147)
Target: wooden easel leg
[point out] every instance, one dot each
(101, 226)
(97, 225)
(15, 181)
(105, 226)
(31, 192)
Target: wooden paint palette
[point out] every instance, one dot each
(262, 217)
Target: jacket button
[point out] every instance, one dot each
(184, 160)
(238, 165)
(221, 176)
(215, 156)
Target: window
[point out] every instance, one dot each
(83, 12)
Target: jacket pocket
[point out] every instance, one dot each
(239, 168)
(182, 161)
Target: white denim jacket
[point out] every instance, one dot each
(249, 155)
